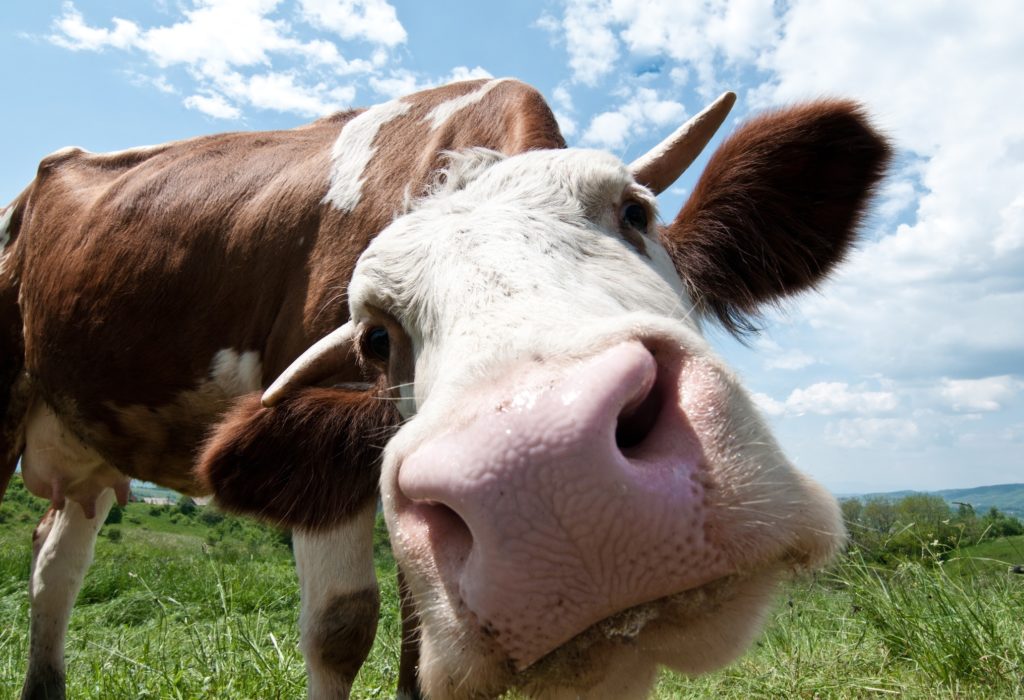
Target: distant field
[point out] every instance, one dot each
(205, 607)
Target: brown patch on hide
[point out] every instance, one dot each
(312, 461)
(345, 632)
(777, 207)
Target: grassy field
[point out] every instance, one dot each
(205, 607)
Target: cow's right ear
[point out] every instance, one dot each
(777, 208)
(311, 461)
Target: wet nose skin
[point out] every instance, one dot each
(543, 522)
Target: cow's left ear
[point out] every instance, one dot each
(776, 208)
(312, 461)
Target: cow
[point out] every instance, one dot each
(435, 297)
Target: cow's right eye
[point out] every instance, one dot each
(377, 344)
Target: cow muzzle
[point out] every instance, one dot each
(571, 495)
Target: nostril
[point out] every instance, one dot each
(637, 418)
(445, 528)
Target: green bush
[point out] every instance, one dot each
(920, 527)
(115, 515)
(186, 506)
(211, 516)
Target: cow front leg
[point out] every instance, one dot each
(62, 550)
(340, 602)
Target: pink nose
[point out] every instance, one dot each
(566, 501)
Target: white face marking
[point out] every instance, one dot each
(5, 223)
(531, 266)
(353, 151)
(444, 111)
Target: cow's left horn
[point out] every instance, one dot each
(663, 164)
(323, 358)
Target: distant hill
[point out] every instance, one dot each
(1009, 498)
(145, 489)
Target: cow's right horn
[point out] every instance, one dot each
(323, 358)
(662, 165)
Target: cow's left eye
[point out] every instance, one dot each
(377, 344)
(634, 215)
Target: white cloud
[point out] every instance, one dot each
(690, 33)
(467, 73)
(216, 34)
(229, 48)
(159, 82)
(213, 105)
(563, 99)
(566, 124)
(592, 46)
(609, 130)
(791, 360)
(828, 398)
(73, 33)
(776, 357)
(640, 110)
(279, 92)
(768, 405)
(971, 395)
(402, 82)
(371, 20)
(870, 432)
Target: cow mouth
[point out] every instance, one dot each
(625, 627)
(656, 631)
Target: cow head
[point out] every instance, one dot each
(580, 490)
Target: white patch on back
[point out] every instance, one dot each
(353, 151)
(444, 111)
(5, 224)
(134, 151)
(67, 151)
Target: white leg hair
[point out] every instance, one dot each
(339, 601)
(62, 551)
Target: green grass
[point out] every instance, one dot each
(194, 610)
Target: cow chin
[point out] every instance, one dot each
(692, 632)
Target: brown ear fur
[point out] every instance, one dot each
(310, 462)
(777, 207)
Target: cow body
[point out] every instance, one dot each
(579, 491)
(143, 291)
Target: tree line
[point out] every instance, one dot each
(920, 524)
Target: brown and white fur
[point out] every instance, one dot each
(147, 296)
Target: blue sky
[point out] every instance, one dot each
(906, 371)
